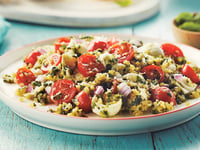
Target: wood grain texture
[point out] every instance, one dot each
(19, 134)
(186, 136)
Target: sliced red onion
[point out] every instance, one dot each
(42, 51)
(124, 89)
(178, 77)
(29, 88)
(183, 84)
(48, 89)
(99, 90)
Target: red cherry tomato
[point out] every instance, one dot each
(172, 50)
(55, 59)
(61, 43)
(32, 57)
(113, 41)
(190, 73)
(89, 66)
(163, 94)
(52, 60)
(84, 101)
(62, 91)
(24, 76)
(125, 51)
(153, 72)
(97, 45)
(115, 48)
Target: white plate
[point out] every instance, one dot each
(79, 13)
(92, 125)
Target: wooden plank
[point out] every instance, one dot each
(17, 133)
(185, 136)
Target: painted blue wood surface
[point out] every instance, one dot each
(186, 136)
(19, 134)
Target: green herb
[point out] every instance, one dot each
(108, 67)
(63, 46)
(36, 83)
(8, 78)
(98, 96)
(41, 97)
(105, 113)
(113, 61)
(93, 104)
(100, 50)
(109, 96)
(138, 100)
(181, 60)
(178, 100)
(169, 94)
(82, 87)
(139, 79)
(58, 96)
(47, 83)
(55, 70)
(89, 79)
(110, 75)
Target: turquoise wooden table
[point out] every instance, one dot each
(19, 134)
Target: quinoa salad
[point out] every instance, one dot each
(106, 77)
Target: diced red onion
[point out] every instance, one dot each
(178, 77)
(42, 51)
(124, 89)
(48, 89)
(29, 88)
(99, 90)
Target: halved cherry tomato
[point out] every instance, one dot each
(32, 57)
(125, 50)
(62, 91)
(97, 45)
(153, 72)
(84, 101)
(115, 48)
(24, 76)
(163, 94)
(52, 60)
(172, 50)
(61, 43)
(190, 73)
(89, 66)
(114, 40)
